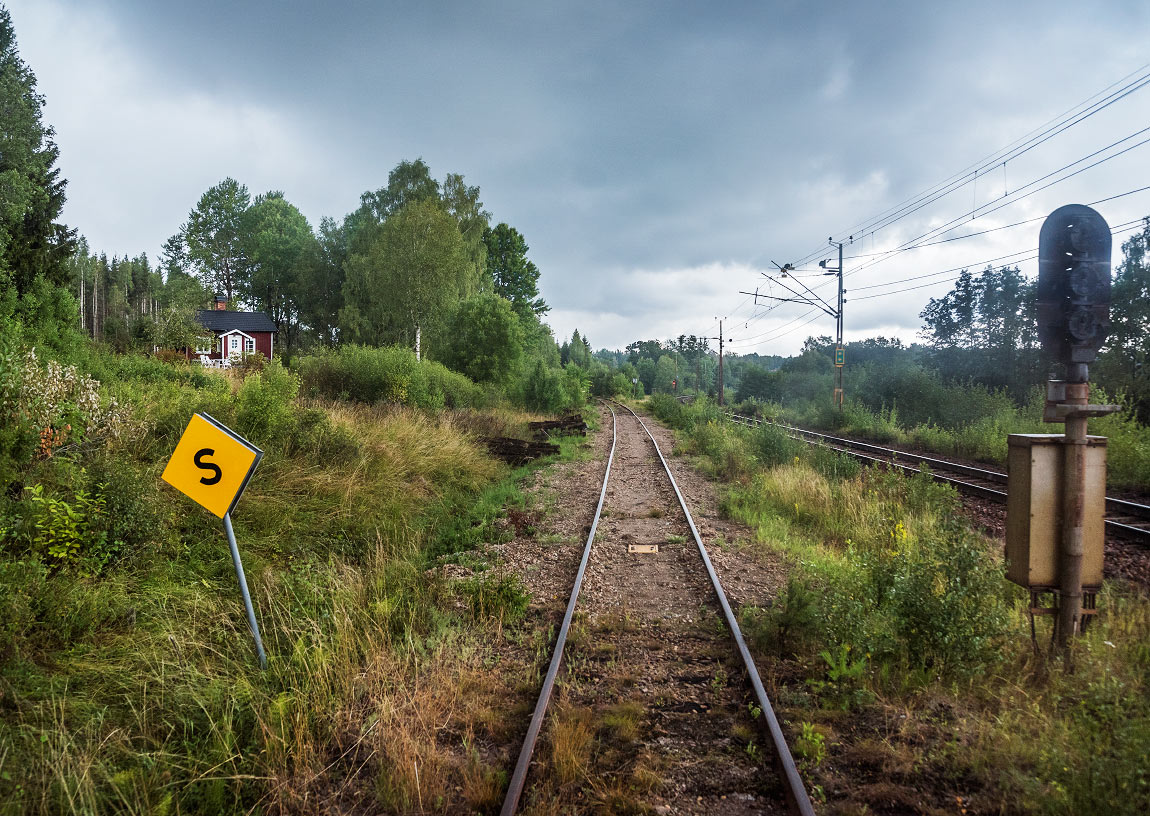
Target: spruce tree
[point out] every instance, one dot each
(33, 245)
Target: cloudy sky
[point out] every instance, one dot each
(658, 157)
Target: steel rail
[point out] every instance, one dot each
(1119, 507)
(519, 777)
(1128, 508)
(995, 476)
(796, 791)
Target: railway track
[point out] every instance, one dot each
(1128, 519)
(650, 624)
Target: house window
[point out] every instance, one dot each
(249, 345)
(204, 345)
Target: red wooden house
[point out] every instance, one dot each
(232, 335)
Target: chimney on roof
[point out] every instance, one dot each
(221, 304)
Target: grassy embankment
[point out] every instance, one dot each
(128, 681)
(975, 426)
(898, 612)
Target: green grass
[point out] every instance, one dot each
(893, 602)
(982, 435)
(129, 684)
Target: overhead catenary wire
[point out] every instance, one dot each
(1015, 198)
(883, 253)
(1116, 91)
(1039, 135)
(991, 207)
(1000, 205)
(1030, 254)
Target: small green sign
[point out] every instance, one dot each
(840, 356)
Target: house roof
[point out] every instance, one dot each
(227, 321)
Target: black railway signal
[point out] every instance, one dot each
(1074, 286)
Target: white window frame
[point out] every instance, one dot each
(205, 345)
(249, 345)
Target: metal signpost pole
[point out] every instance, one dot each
(212, 465)
(244, 589)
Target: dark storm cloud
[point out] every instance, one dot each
(655, 155)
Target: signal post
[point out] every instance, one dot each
(1056, 503)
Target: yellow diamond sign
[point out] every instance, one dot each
(212, 464)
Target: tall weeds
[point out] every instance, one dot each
(130, 685)
(892, 598)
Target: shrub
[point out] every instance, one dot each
(668, 409)
(542, 390)
(171, 357)
(831, 463)
(576, 384)
(390, 374)
(947, 602)
(45, 408)
(313, 433)
(724, 449)
(360, 373)
(132, 520)
(249, 363)
(57, 530)
(489, 597)
(265, 411)
(790, 624)
(450, 389)
(774, 446)
(485, 339)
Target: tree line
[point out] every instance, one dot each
(982, 334)
(419, 262)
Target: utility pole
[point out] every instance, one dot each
(720, 362)
(720, 339)
(840, 352)
(808, 297)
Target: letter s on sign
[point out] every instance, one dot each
(208, 466)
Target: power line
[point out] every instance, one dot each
(1052, 128)
(942, 272)
(986, 231)
(981, 210)
(1043, 133)
(1031, 255)
(978, 213)
(783, 333)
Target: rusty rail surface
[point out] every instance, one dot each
(796, 794)
(1127, 518)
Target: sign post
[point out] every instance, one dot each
(212, 465)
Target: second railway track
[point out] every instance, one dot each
(650, 657)
(1128, 519)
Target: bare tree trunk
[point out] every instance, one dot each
(417, 336)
